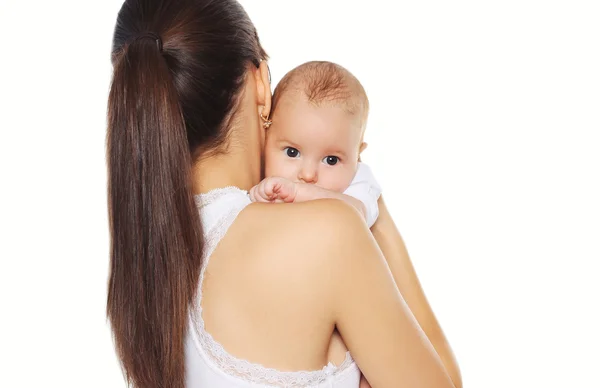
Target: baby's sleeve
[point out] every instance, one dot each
(366, 189)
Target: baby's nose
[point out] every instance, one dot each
(308, 174)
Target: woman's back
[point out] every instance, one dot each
(275, 283)
(264, 300)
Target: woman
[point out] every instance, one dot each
(205, 289)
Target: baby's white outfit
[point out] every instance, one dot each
(208, 364)
(366, 189)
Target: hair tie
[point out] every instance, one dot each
(150, 35)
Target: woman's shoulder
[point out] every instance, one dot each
(297, 247)
(319, 223)
(310, 237)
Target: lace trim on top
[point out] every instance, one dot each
(226, 362)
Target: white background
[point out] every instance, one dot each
(484, 133)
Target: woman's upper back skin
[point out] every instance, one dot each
(285, 276)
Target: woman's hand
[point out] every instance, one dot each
(274, 189)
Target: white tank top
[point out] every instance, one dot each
(208, 365)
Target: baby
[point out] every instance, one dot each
(313, 148)
(314, 144)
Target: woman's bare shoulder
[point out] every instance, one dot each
(309, 239)
(298, 252)
(312, 225)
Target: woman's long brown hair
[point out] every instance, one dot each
(178, 67)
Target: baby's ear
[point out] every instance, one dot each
(363, 146)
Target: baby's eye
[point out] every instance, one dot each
(331, 160)
(292, 152)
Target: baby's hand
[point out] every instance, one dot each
(274, 189)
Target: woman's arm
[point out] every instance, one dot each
(392, 245)
(370, 313)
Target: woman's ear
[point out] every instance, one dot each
(263, 88)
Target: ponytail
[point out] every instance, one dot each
(155, 230)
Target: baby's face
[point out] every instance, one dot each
(312, 144)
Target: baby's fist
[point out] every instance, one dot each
(274, 189)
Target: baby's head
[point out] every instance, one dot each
(319, 117)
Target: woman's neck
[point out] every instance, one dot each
(239, 164)
(237, 168)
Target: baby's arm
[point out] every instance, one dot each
(363, 192)
(308, 192)
(276, 189)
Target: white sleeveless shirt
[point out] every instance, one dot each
(208, 365)
(366, 189)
